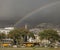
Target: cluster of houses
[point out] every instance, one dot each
(6, 30)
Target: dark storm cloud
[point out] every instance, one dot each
(49, 14)
(13, 10)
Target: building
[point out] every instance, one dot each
(6, 30)
(35, 30)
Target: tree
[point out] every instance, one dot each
(31, 34)
(49, 34)
(2, 36)
(20, 34)
(15, 35)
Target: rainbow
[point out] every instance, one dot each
(37, 10)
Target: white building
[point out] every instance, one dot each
(6, 30)
(35, 30)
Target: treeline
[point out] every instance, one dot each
(20, 35)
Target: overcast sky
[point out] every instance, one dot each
(12, 11)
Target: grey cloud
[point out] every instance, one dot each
(12, 11)
(47, 15)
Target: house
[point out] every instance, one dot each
(6, 30)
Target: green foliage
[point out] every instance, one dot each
(19, 34)
(30, 34)
(14, 34)
(2, 35)
(49, 34)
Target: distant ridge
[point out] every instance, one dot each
(48, 25)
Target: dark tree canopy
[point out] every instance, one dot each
(49, 34)
(20, 34)
(2, 35)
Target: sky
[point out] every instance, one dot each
(13, 11)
